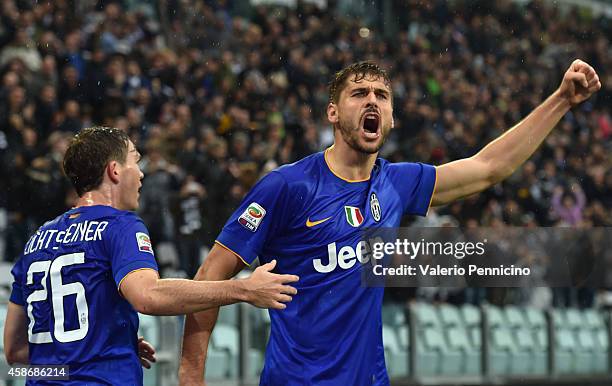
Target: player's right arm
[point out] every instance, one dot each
(151, 295)
(16, 335)
(135, 272)
(262, 215)
(220, 264)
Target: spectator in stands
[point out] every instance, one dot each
(567, 207)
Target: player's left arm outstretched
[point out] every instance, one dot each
(500, 158)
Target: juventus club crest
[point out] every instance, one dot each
(375, 207)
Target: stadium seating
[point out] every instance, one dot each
(585, 341)
(448, 342)
(585, 326)
(586, 358)
(217, 364)
(225, 346)
(529, 358)
(396, 357)
(565, 342)
(536, 322)
(449, 315)
(434, 354)
(502, 346)
(2, 319)
(403, 335)
(229, 314)
(222, 359)
(595, 326)
(428, 358)
(602, 341)
(593, 319)
(260, 325)
(226, 339)
(395, 340)
(164, 334)
(393, 315)
(149, 329)
(471, 318)
(458, 338)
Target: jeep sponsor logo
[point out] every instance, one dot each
(346, 257)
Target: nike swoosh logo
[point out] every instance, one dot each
(310, 224)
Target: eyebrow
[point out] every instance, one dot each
(138, 155)
(366, 89)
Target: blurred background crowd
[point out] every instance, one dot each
(216, 93)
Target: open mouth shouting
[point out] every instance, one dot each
(370, 123)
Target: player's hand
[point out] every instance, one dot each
(579, 83)
(269, 290)
(146, 353)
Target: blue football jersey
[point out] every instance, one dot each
(311, 221)
(68, 278)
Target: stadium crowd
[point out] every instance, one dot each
(214, 100)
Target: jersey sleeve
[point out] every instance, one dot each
(18, 282)
(415, 184)
(260, 216)
(130, 249)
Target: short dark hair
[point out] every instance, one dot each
(360, 71)
(88, 154)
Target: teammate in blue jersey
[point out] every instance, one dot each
(83, 276)
(308, 216)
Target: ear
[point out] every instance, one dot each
(113, 171)
(332, 113)
(392, 122)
